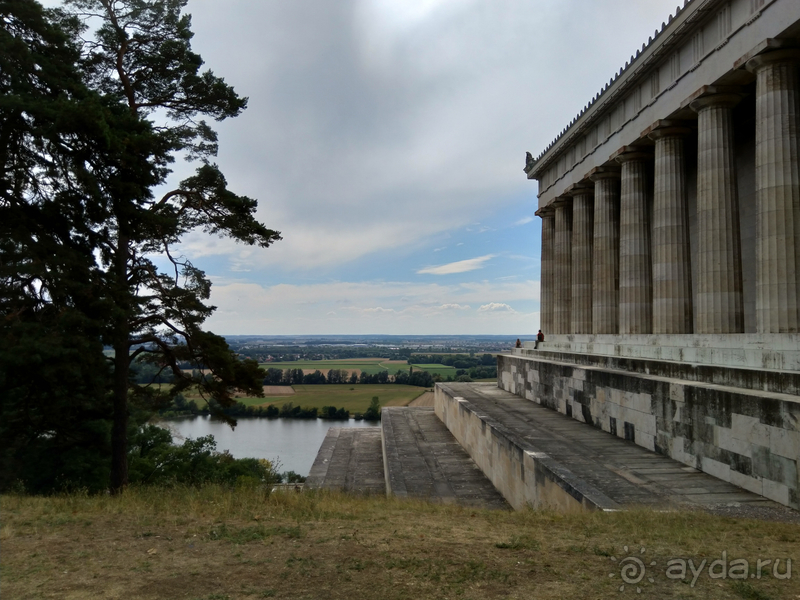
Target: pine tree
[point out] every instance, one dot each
(141, 56)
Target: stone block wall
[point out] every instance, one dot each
(747, 437)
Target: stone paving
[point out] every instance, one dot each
(624, 472)
(424, 460)
(349, 459)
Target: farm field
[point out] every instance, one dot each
(434, 368)
(371, 366)
(354, 398)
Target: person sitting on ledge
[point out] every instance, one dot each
(539, 339)
(518, 344)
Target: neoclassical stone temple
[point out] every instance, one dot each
(670, 284)
(671, 203)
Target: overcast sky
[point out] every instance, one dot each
(386, 139)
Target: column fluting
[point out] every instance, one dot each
(635, 263)
(672, 269)
(777, 191)
(582, 243)
(718, 306)
(605, 253)
(547, 292)
(563, 259)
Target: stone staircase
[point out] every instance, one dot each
(483, 446)
(410, 455)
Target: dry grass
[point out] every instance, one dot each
(215, 544)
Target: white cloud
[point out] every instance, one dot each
(461, 266)
(524, 221)
(373, 307)
(496, 307)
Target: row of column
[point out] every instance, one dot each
(602, 272)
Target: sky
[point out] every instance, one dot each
(386, 140)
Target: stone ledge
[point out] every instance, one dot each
(776, 352)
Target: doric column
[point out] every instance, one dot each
(582, 242)
(718, 298)
(563, 256)
(547, 294)
(605, 253)
(777, 191)
(635, 263)
(672, 265)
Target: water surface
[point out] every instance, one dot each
(294, 442)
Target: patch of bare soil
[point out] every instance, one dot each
(278, 390)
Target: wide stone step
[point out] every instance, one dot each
(537, 456)
(350, 460)
(423, 460)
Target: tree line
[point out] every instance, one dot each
(97, 99)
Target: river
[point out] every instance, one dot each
(293, 442)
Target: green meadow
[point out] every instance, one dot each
(434, 368)
(354, 398)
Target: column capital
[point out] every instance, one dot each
(561, 201)
(666, 128)
(713, 95)
(598, 173)
(630, 153)
(546, 212)
(758, 62)
(580, 188)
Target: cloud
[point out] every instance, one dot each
(461, 266)
(496, 307)
(523, 221)
(392, 307)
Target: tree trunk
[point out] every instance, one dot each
(119, 430)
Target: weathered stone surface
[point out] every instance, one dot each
(777, 191)
(582, 243)
(635, 260)
(548, 270)
(539, 457)
(423, 460)
(605, 254)
(721, 429)
(349, 459)
(718, 298)
(563, 264)
(672, 275)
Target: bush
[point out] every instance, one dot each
(154, 460)
(373, 413)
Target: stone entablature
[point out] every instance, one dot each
(679, 211)
(701, 42)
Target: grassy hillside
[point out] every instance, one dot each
(218, 544)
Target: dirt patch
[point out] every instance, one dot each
(278, 390)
